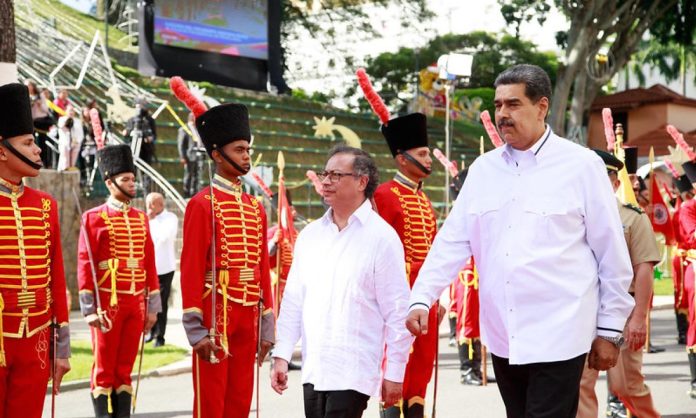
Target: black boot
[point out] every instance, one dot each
(467, 366)
(391, 412)
(414, 411)
(101, 406)
(615, 409)
(682, 326)
(453, 331)
(122, 404)
(692, 367)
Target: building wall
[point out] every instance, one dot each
(682, 117)
(595, 131)
(645, 119)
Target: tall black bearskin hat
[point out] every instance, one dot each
(114, 160)
(631, 159)
(690, 170)
(406, 132)
(15, 111)
(223, 124)
(402, 133)
(683, 184)
(610, 161)
(218, 126)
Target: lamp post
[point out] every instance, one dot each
(451, 66)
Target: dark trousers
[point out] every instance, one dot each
(333, 404)
(165, 282)
(540, 390)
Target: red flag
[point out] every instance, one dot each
(660, 217)
(287, 221)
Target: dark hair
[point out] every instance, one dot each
(537, 82)
(363, 165)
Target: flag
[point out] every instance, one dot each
(660, 217)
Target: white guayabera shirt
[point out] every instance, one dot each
(346, 296)
(544, 230)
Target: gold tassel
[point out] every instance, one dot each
(471, 349)
(113, 269)
(109, 407)
(3, 360)
(224, 280)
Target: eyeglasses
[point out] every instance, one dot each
(334, 176)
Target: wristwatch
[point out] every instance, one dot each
(617, 340)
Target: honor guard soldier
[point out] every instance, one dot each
(225, 277)
(687, 222)
(679, 262)
(32, 281)
(626, 381)
(403, 204)
(117, 254)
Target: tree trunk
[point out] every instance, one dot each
(577, 107)
(8, 52)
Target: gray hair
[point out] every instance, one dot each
(363, 165)
(537, 82)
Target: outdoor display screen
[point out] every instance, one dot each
(230, 27)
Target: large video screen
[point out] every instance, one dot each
(230, 27)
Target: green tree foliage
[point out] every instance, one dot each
(397, 73)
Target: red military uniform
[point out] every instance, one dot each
(679, 264)
(280, 265)
(32, 296)
(408, 210)
(468, 331)
(243, 280)
(124, 259)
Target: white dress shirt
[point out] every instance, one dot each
(545, 232)
(347, 295)
(163, 230)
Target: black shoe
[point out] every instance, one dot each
(158, 342)
(468, 377)
(294, 366)
(391, 412)
(655, 349)
(414, 411)
(101, 406)
(452, 342)
(149, 337)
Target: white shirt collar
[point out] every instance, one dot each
(509, 152)
(361, 214)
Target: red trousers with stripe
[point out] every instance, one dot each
(225, 389)
(23, 382)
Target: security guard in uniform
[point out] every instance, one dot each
(625, 378)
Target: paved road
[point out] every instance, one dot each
(171, 397)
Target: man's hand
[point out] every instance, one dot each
(205, 348)
(151, 319)
(636, 331)
(279, 375)
(417, 322)
(441, 313)
(182, 161)
(603, 355)
(62, 367)
(265, 348)
(391, 393)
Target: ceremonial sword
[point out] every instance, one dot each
(104, 321)
(213, 324)
(142, 350)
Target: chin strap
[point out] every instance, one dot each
(128, 195)
(232, 163)
(5, 143)
(415, 162)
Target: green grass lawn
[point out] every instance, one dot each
(81, 360)
(663, 287)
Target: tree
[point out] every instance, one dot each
(8, 50)
(616, 26)
(397, 73)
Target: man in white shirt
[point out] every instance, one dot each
(346, 296)
(163, 228)
(553, 265)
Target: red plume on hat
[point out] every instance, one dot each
(372, 97)
(178, 87)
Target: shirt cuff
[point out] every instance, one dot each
(608, 332)
(283, 350)
(610, 327)
(395, 372)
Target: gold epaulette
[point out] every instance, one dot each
(634, 207)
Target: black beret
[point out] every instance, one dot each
(612, 163)
(690, 170)
(15, 111)
(631, 159)
(114, 160)
(223, 124)
(406, 132)
(683, 184)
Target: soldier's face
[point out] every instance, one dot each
(238, 151)
(27, 147)
(126, 181)
(420, 154)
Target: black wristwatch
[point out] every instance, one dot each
(617, 340)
